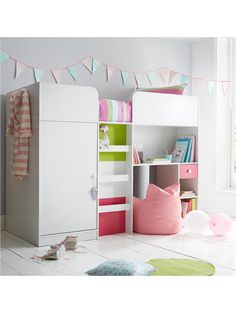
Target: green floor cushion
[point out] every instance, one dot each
(181, 267)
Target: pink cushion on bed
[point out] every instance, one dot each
(160, 212)
(177, 89)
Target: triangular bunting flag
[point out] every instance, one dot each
(73, 71)
(225, 87)
(184, 79)
(3, 56)
(38, 74)
(110, 71)
(124, 76)
(172, 75)
(150, 77)
(19, 69)
(96, 64)
(164, 74)
(138, 78)
(57, 74)
(211, 86)
(88, 63)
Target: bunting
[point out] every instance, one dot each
(138, 79)
(57, 75)
(124, 76)
(150, 77)
(172, 75)
(164, 74)
(211, 86)
(88, 63)
(92, 64)
(95, 65)
(184, 79)
(3, 56)
(38, 74)
(109, 71)
(73, 71)
(19, 68)
(225, 87)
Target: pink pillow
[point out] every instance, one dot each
(177, 90)
(160, 212)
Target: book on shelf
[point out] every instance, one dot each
(187, 194)
(188, 205)
(184, 151)
(157, 161)
(136, 158)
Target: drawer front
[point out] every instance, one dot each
(188, 171)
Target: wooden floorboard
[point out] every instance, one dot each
(16, 254)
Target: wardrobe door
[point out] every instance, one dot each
(68, 172)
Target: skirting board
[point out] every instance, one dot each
(2, 222)
(57, 238)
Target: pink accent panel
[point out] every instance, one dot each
(114, 222)
(188, 171)
(103, 110)
(160, 213)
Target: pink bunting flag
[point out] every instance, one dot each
(19, 67)
(57, 74)
(164, 74)
(110, 71)
(225, 87)
(88, 63)
(138, 78)
(172, 75)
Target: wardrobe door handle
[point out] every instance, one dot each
(94, 194)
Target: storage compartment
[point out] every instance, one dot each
(188, 171)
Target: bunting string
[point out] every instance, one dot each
(92, 64)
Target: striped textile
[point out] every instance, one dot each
(114, 110)
(19, 127)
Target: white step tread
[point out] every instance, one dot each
(115, 148)
(114, 178)
(113, 208)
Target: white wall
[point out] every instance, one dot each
(131, 54)
(214, 196)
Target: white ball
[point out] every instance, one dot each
(196, 221)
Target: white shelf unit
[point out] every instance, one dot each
(158, 119)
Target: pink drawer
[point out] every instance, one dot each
(188, 171)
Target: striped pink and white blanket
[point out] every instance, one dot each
(19, 127)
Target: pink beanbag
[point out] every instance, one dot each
(160, 212)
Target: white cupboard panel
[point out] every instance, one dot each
(164, 109)
(68, 103)
(68, 171)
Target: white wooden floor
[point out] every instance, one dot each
(16, 254)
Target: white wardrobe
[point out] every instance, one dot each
(58, 197)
